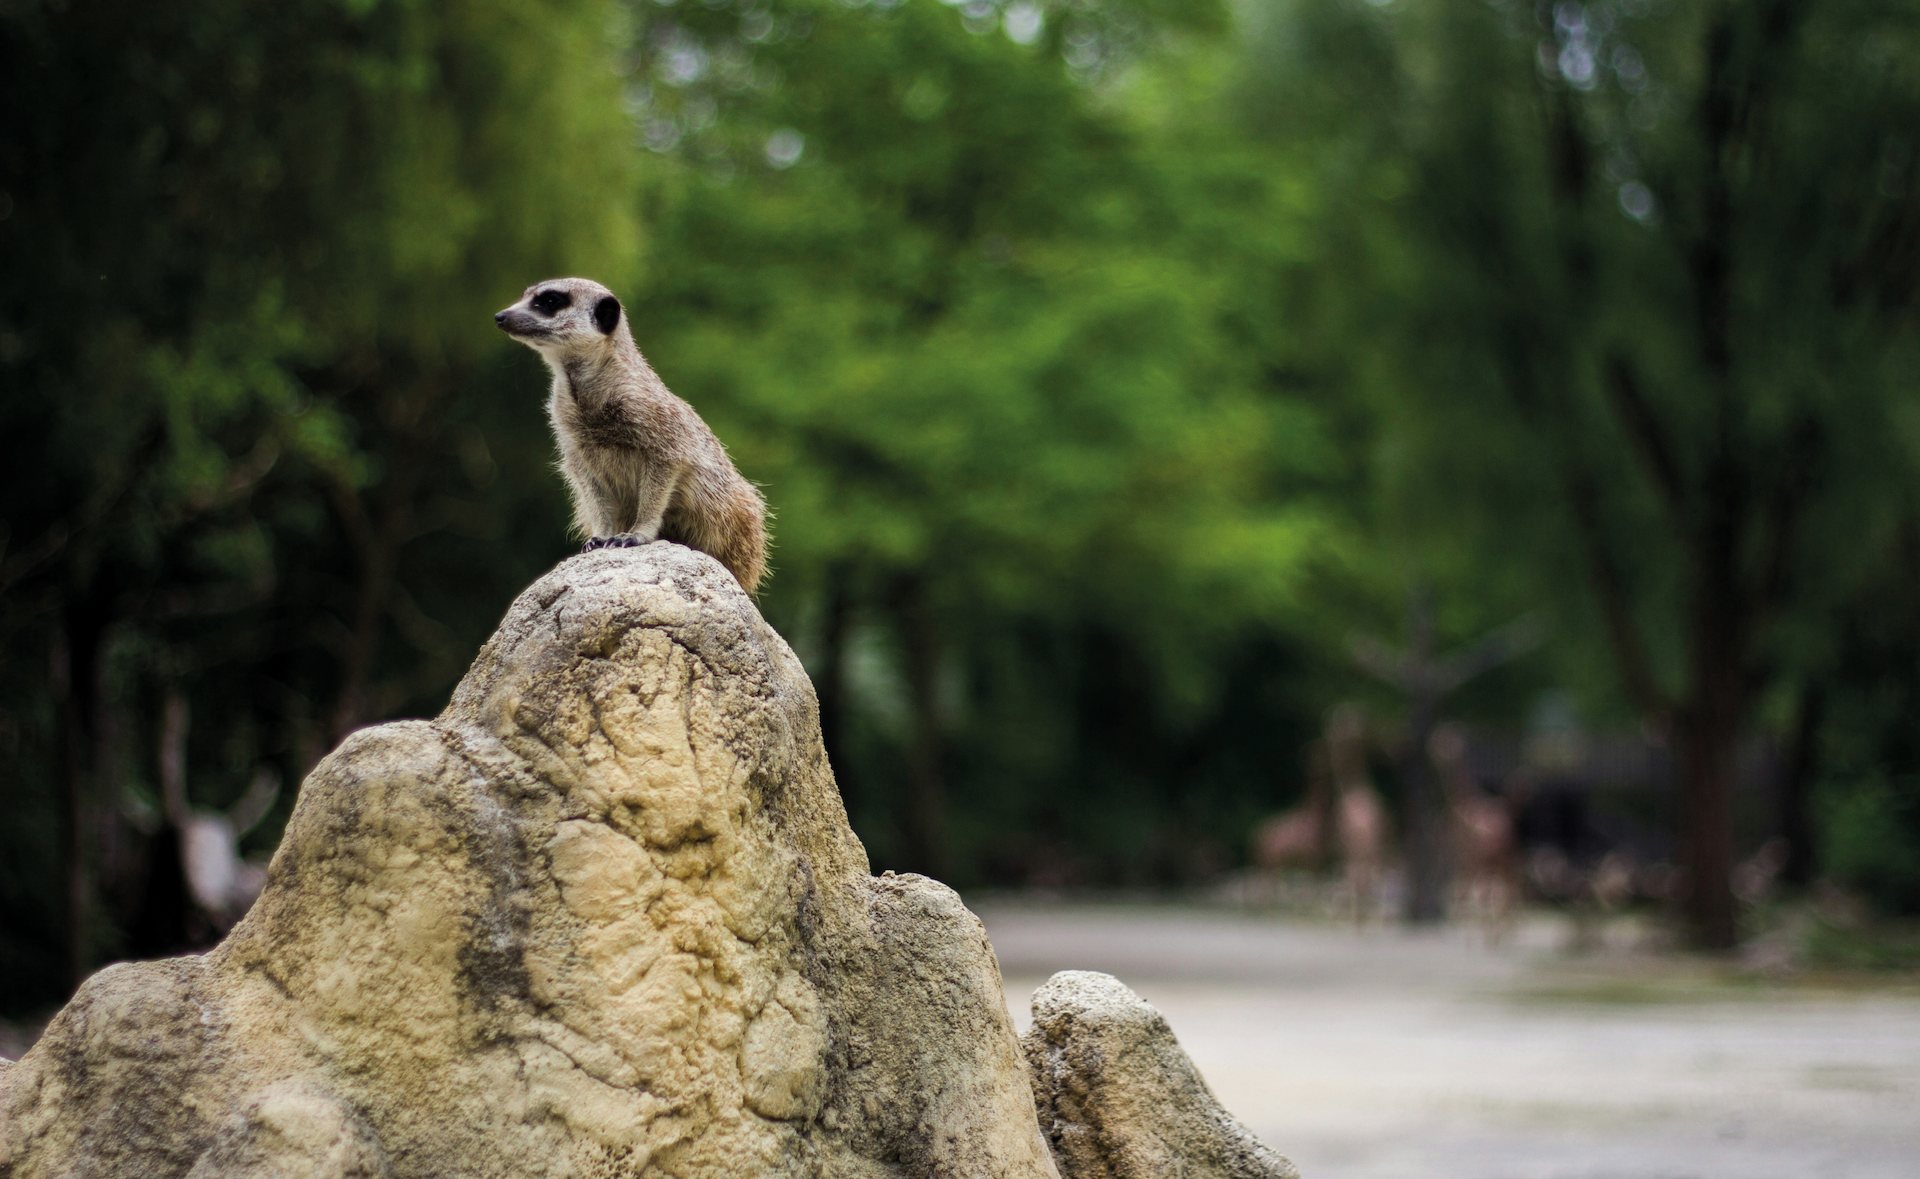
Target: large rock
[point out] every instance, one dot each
(1119, 1099)
(603, 917)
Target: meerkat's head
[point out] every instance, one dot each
(564, 319)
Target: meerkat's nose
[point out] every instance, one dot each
(500, 318)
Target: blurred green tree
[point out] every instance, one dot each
(249, 253)
(1649, 274)
(978, 293)
(1002, 352)
(1107, 364)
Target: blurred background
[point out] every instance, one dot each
(1330, 463)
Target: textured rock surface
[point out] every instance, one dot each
(604, 916)
(1117, 1097)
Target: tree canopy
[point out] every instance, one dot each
(1110, 365)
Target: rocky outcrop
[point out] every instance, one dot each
(1117, 1097)
(604, 916)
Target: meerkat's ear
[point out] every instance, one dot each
(606, 314)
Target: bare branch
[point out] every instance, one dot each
(1490, 651)
(1616, 607)
(251, 807)
(1649, 437)
(102, 506)
(1780, 523)
(351, 512)
(1381, 661)
(175, 719)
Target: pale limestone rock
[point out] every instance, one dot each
(603, 917)
(1119, 1099)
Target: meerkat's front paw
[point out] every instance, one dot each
(625, 540)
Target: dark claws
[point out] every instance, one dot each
(622, 541)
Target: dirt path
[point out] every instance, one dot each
(1375, 1055)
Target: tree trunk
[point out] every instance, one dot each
(164, 920)
(75, 813)
(1707, 739)
(378, 535)
(831, 684)
(925, 826)
(370, 604)
(75, 679)
(1796, 788)
(1428, 872)
(1706, 850)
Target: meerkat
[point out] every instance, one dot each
(641, 464)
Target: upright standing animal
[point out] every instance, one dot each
(1359, 817)
(640, 462)
(1297, 836)
(1486, 848)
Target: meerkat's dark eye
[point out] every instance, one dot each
(548, 302)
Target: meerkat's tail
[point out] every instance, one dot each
(742, 541)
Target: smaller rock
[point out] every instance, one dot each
(1119, 1099)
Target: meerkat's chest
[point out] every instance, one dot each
(609, 426)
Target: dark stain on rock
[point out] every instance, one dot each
(493, 967)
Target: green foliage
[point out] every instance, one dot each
(996, 374)
(250, 252)
(1643, 274)
(1854, 945)
(1108, 365)
(1868, 833)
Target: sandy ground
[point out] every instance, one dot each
(1379, 1055)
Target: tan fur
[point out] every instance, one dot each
(641, 464)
